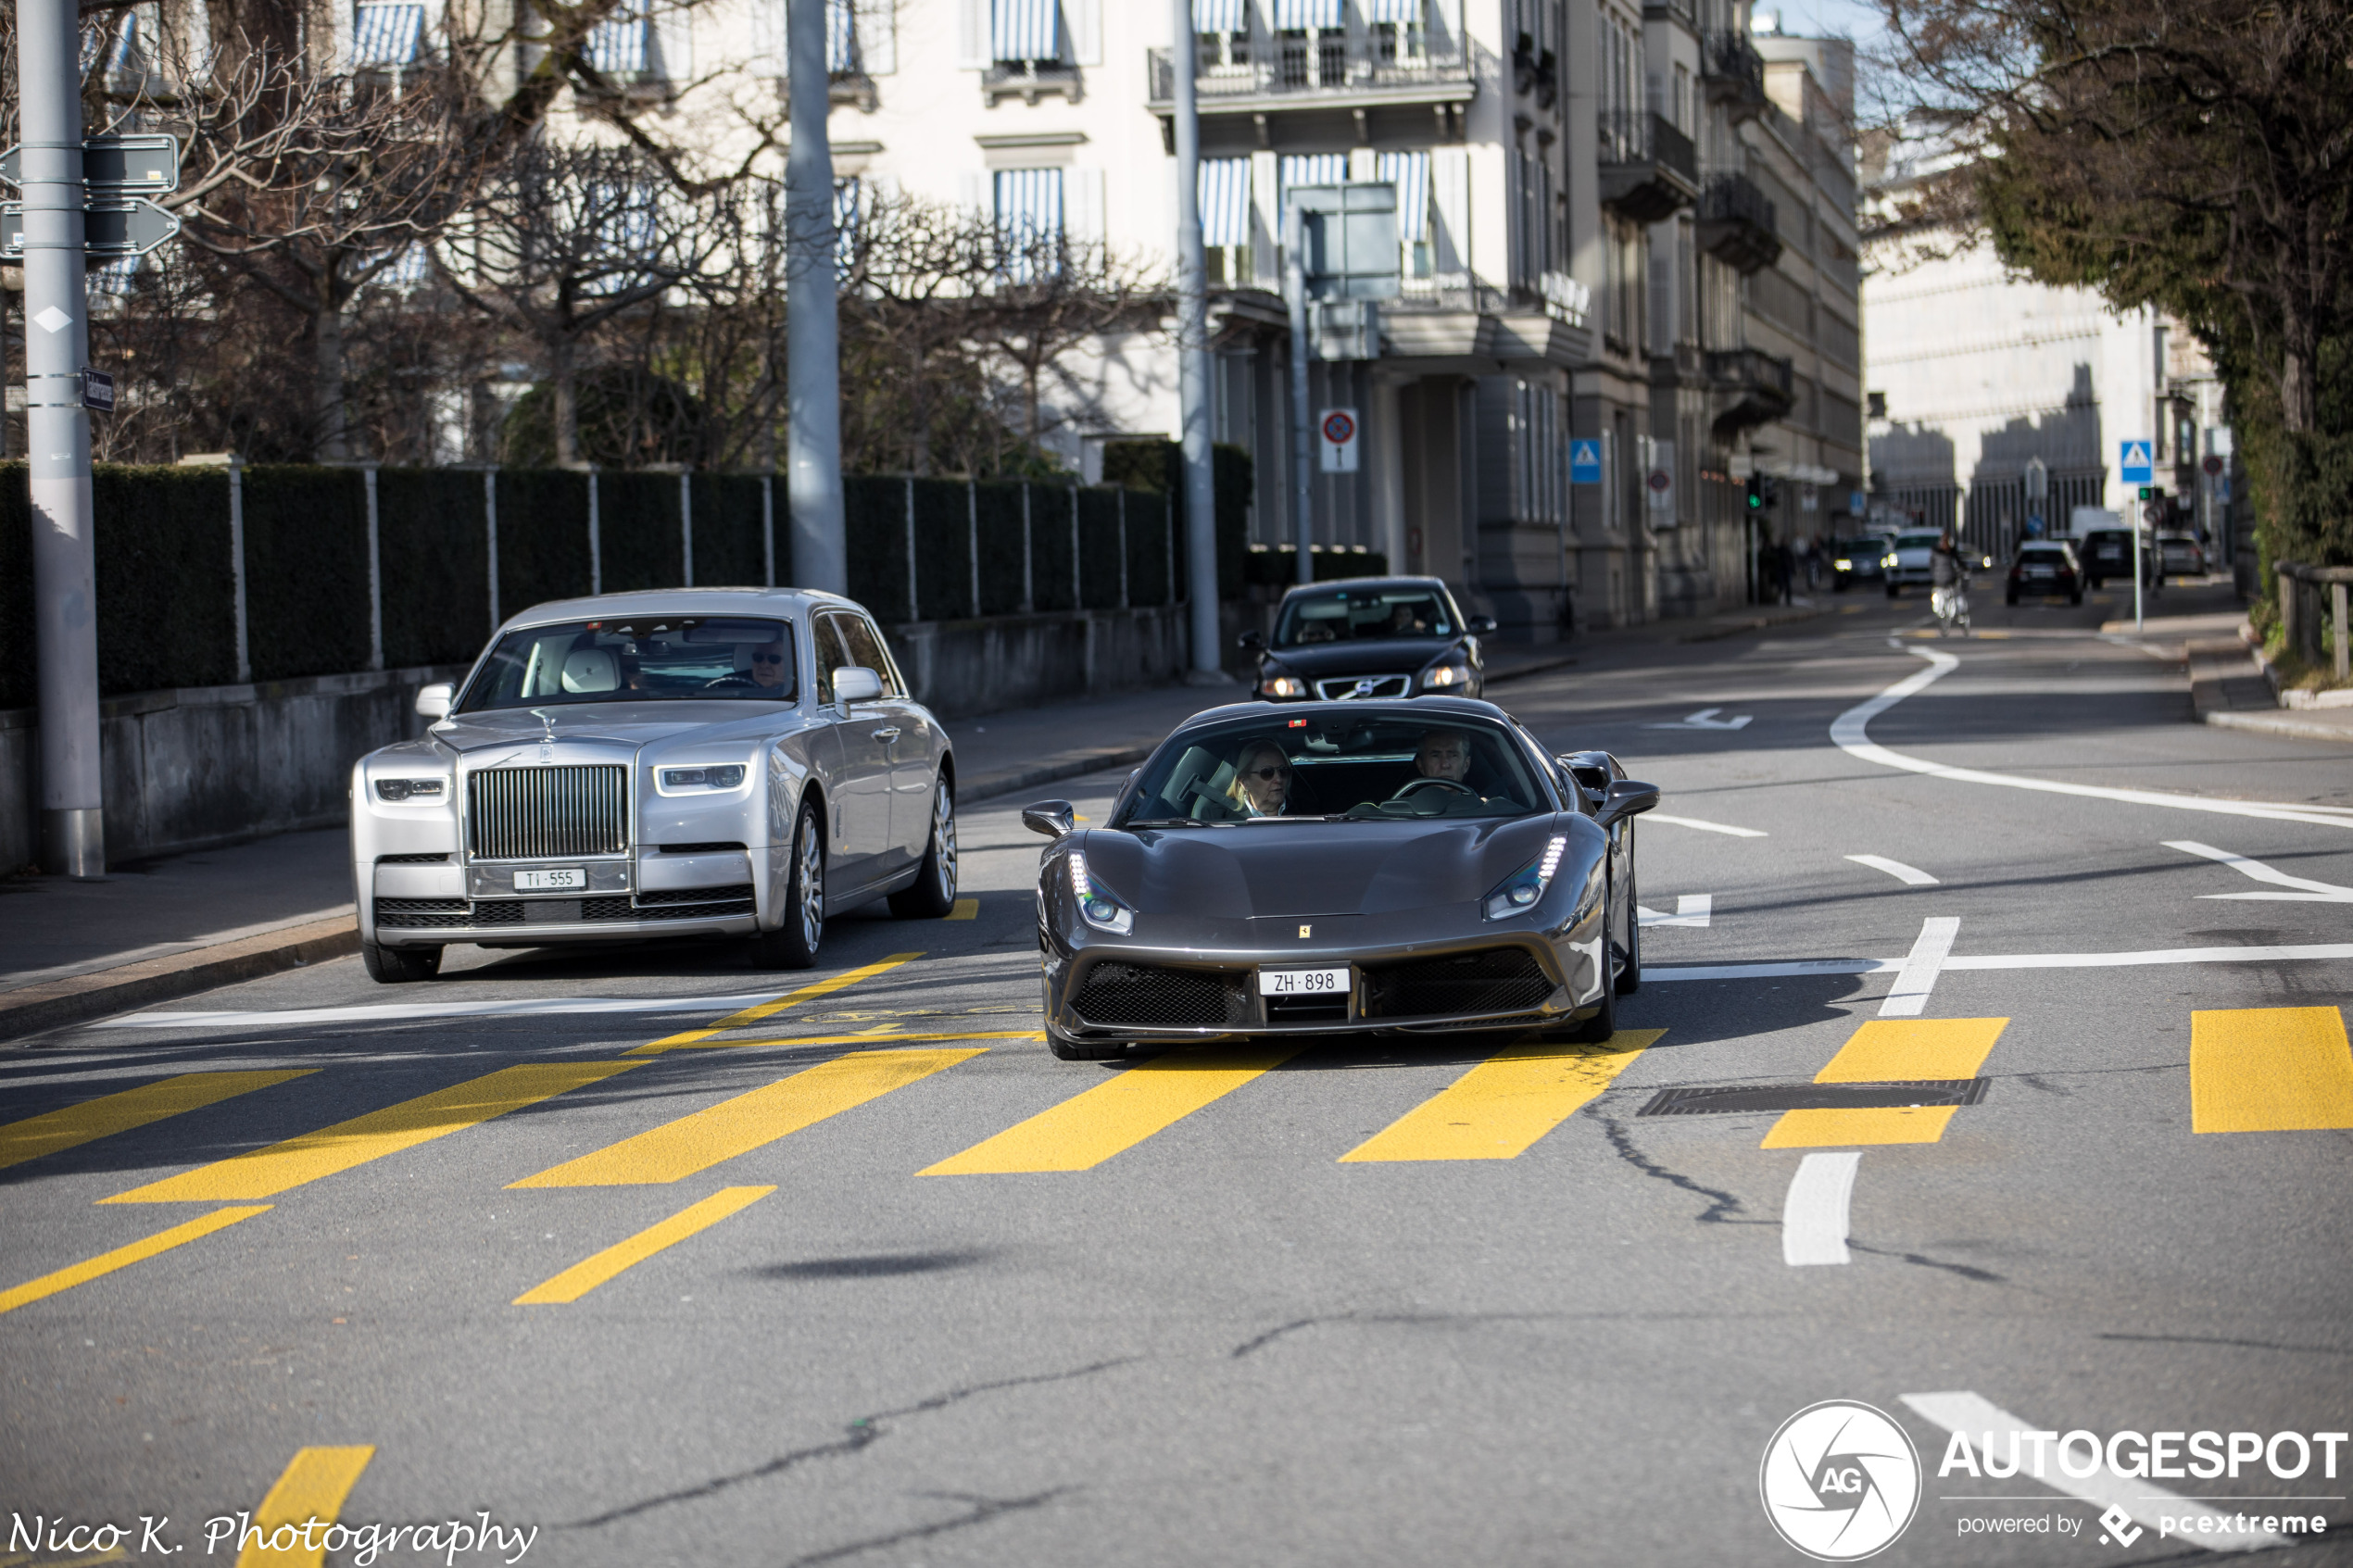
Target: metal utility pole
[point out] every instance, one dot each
(1192, 365)
(812, 372)
(1302, 416)
(73, 838)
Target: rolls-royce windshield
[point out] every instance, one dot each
(699, 658)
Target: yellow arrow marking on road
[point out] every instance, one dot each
(1499, 1107)
(108, 1114)
(2270, 1069)
(1891, 1050)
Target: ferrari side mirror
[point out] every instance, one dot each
(1053, 818)
(1626, 797)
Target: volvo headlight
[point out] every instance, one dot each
(679, 780)
(1446, 676)
(1283, 685)
(1096, 904)
(1521, 891)
(408, 789)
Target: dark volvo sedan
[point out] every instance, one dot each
(1342, 866)
(1370, 638)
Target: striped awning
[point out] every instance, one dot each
(1314, 168)
(1225, 201)
(1029, 202)
(617, 46)
(841, 38)
(385, 35)
(1310, 13)
(1409, 173)
(1378, 11)
(1024, 30)
(1221, 16)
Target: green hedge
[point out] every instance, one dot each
(730, 551)
(1278, 566)
(543, 537)
(1159, 466)
(1149, 550)
(997, 505)
(638, 532)
(943, 513)
(436, 558)
(874, 535)
(306, 610)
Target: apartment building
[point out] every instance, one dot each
(1621, 224)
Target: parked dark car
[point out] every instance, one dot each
(1859, 560)
(1364, 637)
(2044, 569)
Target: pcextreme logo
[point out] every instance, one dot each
(1840, 1481)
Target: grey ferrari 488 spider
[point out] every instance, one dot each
(1335, 867)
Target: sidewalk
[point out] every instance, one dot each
(2227, 687)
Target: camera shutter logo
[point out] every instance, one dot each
(1840, 1481)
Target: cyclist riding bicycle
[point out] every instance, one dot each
(1948, 583)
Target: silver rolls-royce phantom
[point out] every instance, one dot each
(711, 761)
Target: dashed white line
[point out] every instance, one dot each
(1985, 1435)
(1910, 876)
(1691, 908)
(1814, 1214)
(1908, 995)
(2309, 892)
(1707, 827)
(1849, 733)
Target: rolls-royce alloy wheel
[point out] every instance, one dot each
(793, 944)
(933, 893)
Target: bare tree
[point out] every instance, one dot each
(1046, 294)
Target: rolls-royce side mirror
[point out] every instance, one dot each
(1053, 818)
(1626, 797)
(432, 702)
(855, 682)
(1255, 640)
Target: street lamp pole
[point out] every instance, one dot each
(74, 839)
(1192, 363)
(812, 373)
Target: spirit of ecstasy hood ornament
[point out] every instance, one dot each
(547, 741)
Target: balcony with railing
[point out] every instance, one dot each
(1737, 224)
(1751, 388)
(1732, 73)
(1313, 69)
(1648, 167)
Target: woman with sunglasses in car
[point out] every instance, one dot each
(1261, 781)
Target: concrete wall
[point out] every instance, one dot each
(203, 766)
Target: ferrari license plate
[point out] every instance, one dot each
(572, 880)
(1304, 982)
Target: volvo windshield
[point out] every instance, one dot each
(1340, 615)
(647, 658)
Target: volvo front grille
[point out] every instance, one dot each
(1346, 687)
(544, 813)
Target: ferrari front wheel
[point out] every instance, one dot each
(1630, 979)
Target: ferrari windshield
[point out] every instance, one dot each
(649, 659)
(1358, 767)
(1340, 615)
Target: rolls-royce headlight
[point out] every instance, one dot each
(408, 789)
(1095, 904)
(1520, 890)
(679, 779)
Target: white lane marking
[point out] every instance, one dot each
(1691, 908)
(2312, 892)
(1800, 968)
(1705, 827)
(1849, 733)
(1910, 876)
(1917, 978)
(1704, 720)
(1814, 1214)
(1983, 1427)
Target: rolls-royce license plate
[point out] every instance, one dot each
(1304, 982)
(572, 880)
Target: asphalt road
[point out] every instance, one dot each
(1222, 1342)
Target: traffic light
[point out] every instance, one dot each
(1756, 492)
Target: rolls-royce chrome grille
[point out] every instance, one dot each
(542, 813)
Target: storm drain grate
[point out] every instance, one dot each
(1718, 1099)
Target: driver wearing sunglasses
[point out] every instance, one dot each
(1262, 780)
(768, 664)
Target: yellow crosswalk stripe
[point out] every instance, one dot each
(123, 1256)
(108, 1114)
(965, 909)
(287, 1530)
(1499, 1107)
(824, 988)
(680, 1148)
(1086, 1129)
(861, 1039)
(2270, 1069)
(265, 1173)
(1891, 1050)
(589, 1272)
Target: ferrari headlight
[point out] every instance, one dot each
(1095, 905)
(1283, 685)
(1446, 675)
(408, 789)
(1520, 892)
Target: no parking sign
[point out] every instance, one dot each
(1338, 429)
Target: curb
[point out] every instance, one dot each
(82, 997)
(1754, 623)
(2286, 722)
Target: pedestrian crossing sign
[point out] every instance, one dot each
(2137, 467)
(1585, 462)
